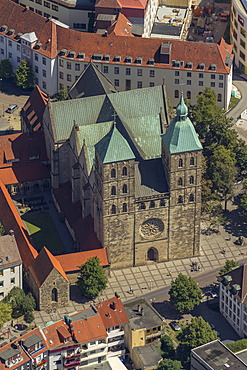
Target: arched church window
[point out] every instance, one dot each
(180, 199)
(113, 209)
(152, 204)
(191, 198)
(113, 173)
(142, 206)
(124, 171)
(125, 189)
(180, 162)
(192, 180)
(180, 181)
(124, 207)
(113, 190)
(192, 161)
(54, 295)
(162, 203)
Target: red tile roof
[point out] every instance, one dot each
(112, 312)
(32, 112)
(21, 174)
(21, 147)
(42, 266)
(107, 4)
(22, 20)
(70, 262)
(12, 221)
(122, 27)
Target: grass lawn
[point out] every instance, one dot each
(43, 231)
(233, 102)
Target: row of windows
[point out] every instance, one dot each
(46, 4)
(188, 93)
(12, 281)
(181, 162)
(12, 270)
(191, 181)
(114, 190)
(124, 172)
(200, 75)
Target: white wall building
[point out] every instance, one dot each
(75, 14)
(59, 55)
(10, 265)
(238, 33)
(233, 299)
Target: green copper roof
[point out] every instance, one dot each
(114, 147)
(180, 135)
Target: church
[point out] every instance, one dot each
(132, 171)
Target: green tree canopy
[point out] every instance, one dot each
(19, 301)
(243, 200)
(24, 75)
(92, 278)
(222, 170)
(6, 69)
(5, 312)
(169, 364)
(229, 266)
(29, 317)
(62, 95)
(167, 347)
(195, 334)
(185, 293)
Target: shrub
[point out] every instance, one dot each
(237, 346)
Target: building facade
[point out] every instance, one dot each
(238, 33)
(58, 56)
(143, 191)
(10, 265)
(233, 304)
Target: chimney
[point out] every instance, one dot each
(113, 305)
(117, 295)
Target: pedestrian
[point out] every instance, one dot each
(131, 290)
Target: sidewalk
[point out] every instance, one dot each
(144, 279)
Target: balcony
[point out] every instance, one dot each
(74, 362)
(115, 333)
(116, 342)
(155, 334)
(36, 365)
(72, 356)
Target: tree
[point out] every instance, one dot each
(229, 266)
(243, 200)
(167, 347)
(185, 293)
(222, 170)
(169, 364)
(195, 334)
(6, 69)
(92, 279)
(29, 317)
(19, 301)
(62, 95)
(5, 312)
(24, 75)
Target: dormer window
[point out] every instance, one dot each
(201, 66)
(139, 60)
(97, 56)
(189, 65)
(81, 55)
(117, 59)
(107, 58)
(63, 52)
(151, 61)
(11, 32)
(128, 59)
(4, 28)
(176, 63)
(71, 54)
(31, 158)
(213, 67)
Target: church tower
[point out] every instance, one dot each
(115, 194)
(182, 157)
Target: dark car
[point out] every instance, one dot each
(175, 326)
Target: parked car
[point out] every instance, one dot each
(11, 108)
(175, 326)
(213, 294)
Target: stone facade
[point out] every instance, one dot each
(136, 220)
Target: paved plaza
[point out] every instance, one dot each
(144, 279)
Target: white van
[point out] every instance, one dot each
(12, 108)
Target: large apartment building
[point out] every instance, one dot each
(58, 55)
(238, 33)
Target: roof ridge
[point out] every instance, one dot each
(55, 263)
